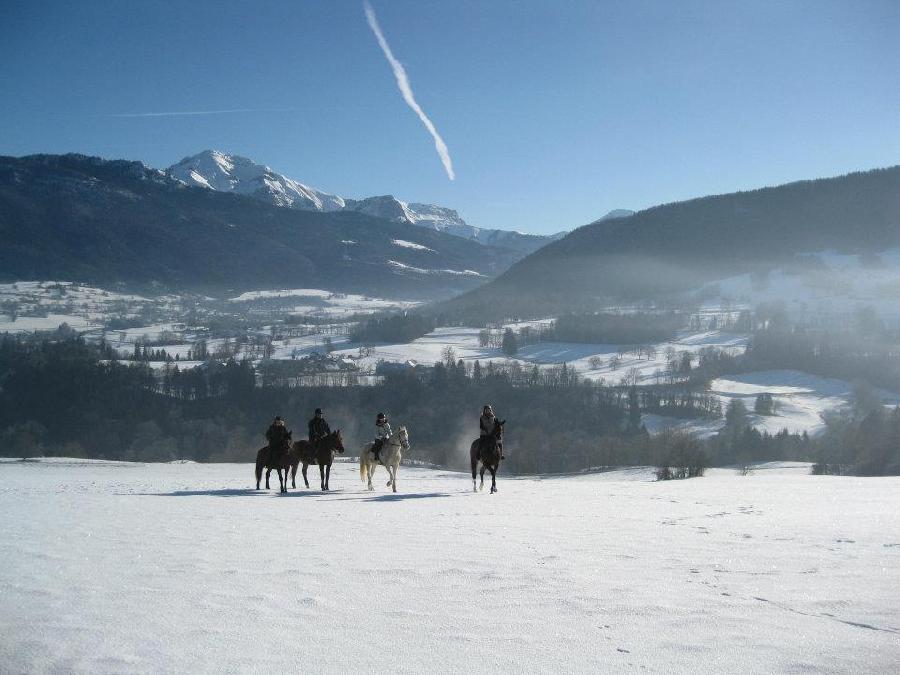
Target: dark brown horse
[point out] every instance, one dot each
(321, 452)
(281, 462)
(487, 451)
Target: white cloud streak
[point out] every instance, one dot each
(184, 113)
(406, 91)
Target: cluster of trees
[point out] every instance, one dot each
(612, 328)
(64, 396)
(865, 442)
(395, 328)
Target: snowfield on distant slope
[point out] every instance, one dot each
(183, 568)
(410, 244)
(421, 270)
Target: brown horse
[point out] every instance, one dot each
(321, 452)
(282, 462)
(487, 451)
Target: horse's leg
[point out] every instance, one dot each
(394, 480)
(305, 480)
(258, 474)
(294, 476)
(390, 476)
(370, 468)
(483, 467)
(473, 460)
(268, 471)
(328, 476)
(322, 475)
(494, 478)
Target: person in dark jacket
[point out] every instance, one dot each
(276, 435)
(318, 427)
(487, 424)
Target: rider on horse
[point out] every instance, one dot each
(382, 433)
(487, 424)
(276, 434)
(318, 427)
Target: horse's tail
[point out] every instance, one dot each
(362, 468)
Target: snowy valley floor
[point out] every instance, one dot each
(116, 567)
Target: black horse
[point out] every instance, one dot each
(321, 452)
(486, 450)
(281, 461)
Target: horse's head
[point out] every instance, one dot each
(498, 429)
(338, 441)
(403, 435)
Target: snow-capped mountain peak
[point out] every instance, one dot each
(232, 173)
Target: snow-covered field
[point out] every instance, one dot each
(119, 568)
(464, 340)
(327, 303)
(802, 401)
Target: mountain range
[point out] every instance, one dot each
(106, 221)
(231, 173)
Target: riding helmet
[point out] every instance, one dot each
(318, 411)
(381, 418)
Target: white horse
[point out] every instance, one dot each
(389, 458)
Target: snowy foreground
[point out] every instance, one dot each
(116, 567)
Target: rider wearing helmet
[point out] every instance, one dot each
(487, 424)
(318, 427)
(382, 433)
(276, 435)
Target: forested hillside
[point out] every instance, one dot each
(86, 219)
(663, 251)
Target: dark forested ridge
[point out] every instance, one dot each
(662, 251)
(98, 221)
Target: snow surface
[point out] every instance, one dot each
(328, 303)
(30, 324)
(802, 401)
(174, 568)
(410, 244)
(420, 270)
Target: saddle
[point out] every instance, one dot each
(483, 444)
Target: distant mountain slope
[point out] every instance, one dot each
(670, 249)
(87, 219)
(231, 173)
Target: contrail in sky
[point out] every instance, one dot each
(182, 113)
(406, 90)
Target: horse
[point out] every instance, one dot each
(390, 457)
(320, 451)
(486, 450)
(282, 462)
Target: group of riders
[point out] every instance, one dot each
(318, 428)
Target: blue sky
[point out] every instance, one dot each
(553, 112)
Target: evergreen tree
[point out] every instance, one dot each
(510, 344)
